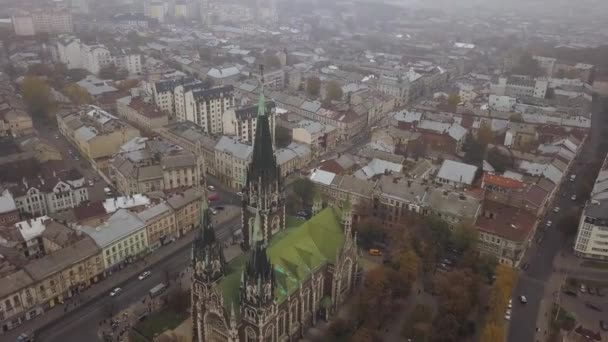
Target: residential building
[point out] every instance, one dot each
(273, 78)
(403, 87)
(143, 115)
(122, 239)
(18, 295)
(76, 54)
(193, 139)
(591, 239)
(293, 158)
(153, 166)
(456, 174)
(42, 21)
(205, 107)
(454, 207)
(319, 137)
(96, 133)
(396, 199)
(9, 214)
(23, 24)
(231, 159)
(520, 136)
(160, 223)
(49, 192)
(97, 87)
(520, 87)
(338, 188)
(241, 122)
(187, 208)
(224, 76)
(133, 203)
(163, 93)
(502, 103)
(505, 231)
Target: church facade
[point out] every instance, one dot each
(292, 273)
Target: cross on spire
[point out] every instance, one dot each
(261, 100)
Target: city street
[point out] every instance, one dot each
(82, 323)
(538, 282)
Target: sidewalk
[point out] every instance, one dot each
(103, 287)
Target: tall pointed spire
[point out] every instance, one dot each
(261, 99)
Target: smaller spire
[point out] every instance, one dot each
(257, 235)
(261, 99)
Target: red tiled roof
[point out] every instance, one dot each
(506, 221)
(332, 166)
(500, 181)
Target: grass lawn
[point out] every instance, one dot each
(159, 322)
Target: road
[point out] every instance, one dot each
(532, 282)
(82, 323)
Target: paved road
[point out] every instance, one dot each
(82, 323)
(532, 283)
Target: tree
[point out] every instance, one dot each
(304, 188)
(313, 86)
(464, 237)
(272, 61)
(369, 232)
(75, 75)
(108, 72)
(492, 332)
(499, 161)
(475, 152)
(516, 117)
(528, 66)
(37, 96)
(333, 91)
(485, 134)
(77, 94)
(282, 136)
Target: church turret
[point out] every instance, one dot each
(263, 191)
(208, 260)
(258, 282)
(347, 216)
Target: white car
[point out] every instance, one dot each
(211, 188)
(510, 304)
(556, 210)
(144, 275)
(523, 299)
(213, 211)
(91, 183)
(573, 197)
(508, 317)
(549, 223)
(240, 194)
(115, 292)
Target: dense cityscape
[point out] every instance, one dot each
(299, 170)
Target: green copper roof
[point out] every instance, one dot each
(294, 253)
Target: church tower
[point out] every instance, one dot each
(263, 193)
(258, 284)
(208, 267)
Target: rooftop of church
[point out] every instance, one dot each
(296, 253)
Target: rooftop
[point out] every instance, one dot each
(122, 223)
(457, 172)
(33, 228)
(59, 260)
(506, 221)
(234, 147)
(125, 202)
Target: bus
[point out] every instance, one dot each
(158, 290)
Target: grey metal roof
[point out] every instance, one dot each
(123, 223)
(183, 198)
(457, 172)
(58, 260)
(150, 213)
(234, 147)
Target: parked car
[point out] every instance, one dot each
(526, 266)
(240, 194)
(211, 188)
(582, 288)
(115, 292)
(23, 337)
(549, 223)
(591, 291)
(510, 304)
(508, 317)
(219, 208)
(593, 307)
(570, 293)
(375, 252)
(573, 197)
(556, 210)
(91, 183)
(144, 275)
(523, 299)
(213, 211)
(599, 292)
(213, 197)
(604, 325)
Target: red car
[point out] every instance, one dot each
(213, 197)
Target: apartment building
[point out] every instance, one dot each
(42, 21)
(318, 136)
(592, 238)
(205, 107)
(240, 122)
(96, 133)
(231, 160)
(76, 54)
(145, 165)
(163, 93)
(186, 205)
(520, 87)
(403, 87)
(143, 115)
(160, 223)
(49, 192)
(122, 238)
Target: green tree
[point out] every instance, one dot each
(485, 134)
(369, 232)
(474, 152)
(77, 94)
(464, 237)
(313, 86)
(304, 188)
(75, 75)
(108, 72)
(282, 136)
(499, 160)
(528, 66)
(333, 91)
(37, 96)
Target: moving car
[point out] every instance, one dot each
(593, 307)
(556, 210)
(213, 211)
(144, 275)
(573, 197)
(213, 197)
(23, 337)
(375, 252)
(604, 325)
(115, 292)
(572, 178)
(240, 194)
(549, 223)
(523, 299)
(211, 188)
(582, 288)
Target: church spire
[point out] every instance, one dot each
(207, 253)
(258, 282)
